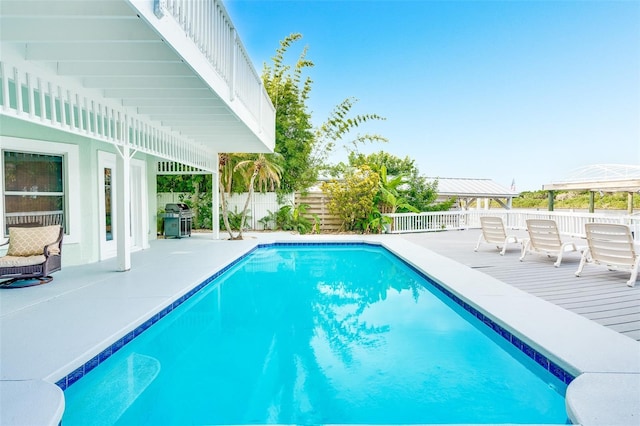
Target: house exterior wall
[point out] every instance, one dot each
(81, 242)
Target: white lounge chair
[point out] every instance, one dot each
(493, 232)
(612, 246)
(544, 238)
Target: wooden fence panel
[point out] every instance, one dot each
(317, 202)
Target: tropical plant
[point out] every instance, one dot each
(375, 223)
(388, 199)
(338, 127)
(235, 219)
(305, 149)
(352, 199)
(289, 92)
(269, 221)
(293, 218)
(258, 172)
(414, 189)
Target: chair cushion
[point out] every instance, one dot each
(31, 241)
(13, 261)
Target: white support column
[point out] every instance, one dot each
(123, 205)
(215, 204)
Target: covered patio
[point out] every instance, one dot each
(114, 92)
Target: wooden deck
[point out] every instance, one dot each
(598, 294)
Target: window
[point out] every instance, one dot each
(34, 189)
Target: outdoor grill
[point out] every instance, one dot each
(177, 220)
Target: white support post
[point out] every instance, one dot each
(18, 86)
(123, 205)
(215, 204)
(43, 107)
(63, 113)
(52, 104)
(32, 106)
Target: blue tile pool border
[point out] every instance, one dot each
(514, 340)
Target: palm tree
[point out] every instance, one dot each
(225, 172)
(260, 172)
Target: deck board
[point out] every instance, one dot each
(598, 294)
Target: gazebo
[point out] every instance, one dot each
(599, 178)
(468, 190)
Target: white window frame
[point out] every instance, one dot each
(71, 162)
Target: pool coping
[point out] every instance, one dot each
(588, 351)
(605, 364)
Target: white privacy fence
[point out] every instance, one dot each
(569, 223)
(259, 206)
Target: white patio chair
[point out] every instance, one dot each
(611, 245)
(493, 232)
(544, 238)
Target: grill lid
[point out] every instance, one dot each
(176, 208)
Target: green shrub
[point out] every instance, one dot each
(573, 200)
(293, 218)
(235, 218)
(352, 199)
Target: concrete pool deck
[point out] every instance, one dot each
(46, 332)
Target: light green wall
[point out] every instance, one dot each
(87, 248)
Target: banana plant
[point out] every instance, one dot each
(389, 199)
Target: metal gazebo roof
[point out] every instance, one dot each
(466, 187)
(600, 177)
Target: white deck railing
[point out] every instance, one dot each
(33, 98)
(569, 223)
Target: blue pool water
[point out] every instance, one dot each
(317, 334)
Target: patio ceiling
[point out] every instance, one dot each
(115, 49)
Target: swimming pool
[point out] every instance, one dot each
(319, 334)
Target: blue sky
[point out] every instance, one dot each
(504, 90)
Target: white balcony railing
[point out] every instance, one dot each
(208, 25)
(36, 99)
(569, 223)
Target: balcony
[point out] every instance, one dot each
(168, 77)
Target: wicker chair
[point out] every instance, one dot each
(34, 253)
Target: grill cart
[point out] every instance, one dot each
(177, 220)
